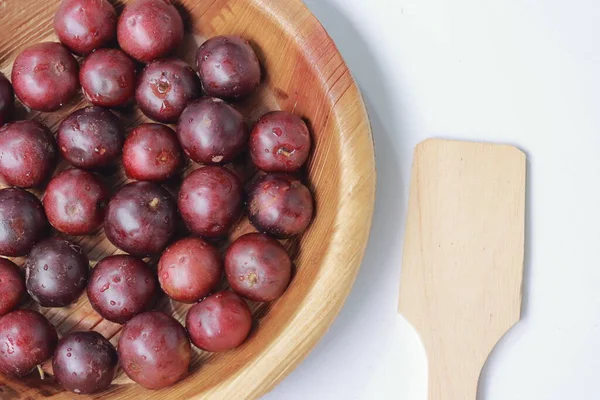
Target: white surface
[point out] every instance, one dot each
(524, 72)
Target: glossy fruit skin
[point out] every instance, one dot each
(212, 131)
(210, 201)
(7, 99)
(91, 137)
(121, 287)
(75, 202)
(258, 267)
(280, 205)
(141, 218)
(56, 272)
(27, 153)
(154, 350)
(22, 222)
(165, 88)
(189, 270)
(280, 142)
(220, 322)
(149, 29)
(84, 362)
(108, 78)
(27, 339)
(152, 153)
(45, 76)
(228, 67)
(12, 286)
(85, 25)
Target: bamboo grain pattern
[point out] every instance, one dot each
(462, 266)
(304, 73)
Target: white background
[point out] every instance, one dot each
(524, 72)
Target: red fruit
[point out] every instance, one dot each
(44, 76)
(27, 339)
(258, 267)
(56, 272)
(108, 78)
(121, 287)
(152, 153)
(220, 322)
(27, 153)
(85, 25)
(210, 201)
(22, 222)
(149, 29)
(165, 88)
(91, 138)
(211, 131)
(189, 270)
(12, 286)
(7, 99)
(141, 218)
(228, 67)
(280, 205)
(279, 142)
(154, 350)
(84, 362)
(75, 202)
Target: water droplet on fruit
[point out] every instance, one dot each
(267, 151)
(104, 288)
(68, 354)
(112, 303)
(46, 267)
(117, 279)
(277, 131)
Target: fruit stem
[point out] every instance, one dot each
(154, 202)
(41, 371)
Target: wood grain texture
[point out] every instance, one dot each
(304, 73)
(462, 265)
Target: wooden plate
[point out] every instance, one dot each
(304, 73)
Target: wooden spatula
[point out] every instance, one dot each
(463, 257)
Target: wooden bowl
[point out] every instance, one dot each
(304, 73)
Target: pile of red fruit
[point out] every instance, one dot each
(141, 217)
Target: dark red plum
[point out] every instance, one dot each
(84, 362)
(75, 202)
(27, 339)
(12, 286)
(7, 99)
(228, 67)
(22, 222)
(189, 270)
(56, 272)
(154, 350)
(45, 76)
(141, 218)
(210, 201)
(279, 142)
(220, 322)
(165, 88)
(27, 153)
(152, 153)
(108, 78)
(149, 29)
(212, 131)
(121, 287)
(85, 25)
(258, 267)
(91, 137)
(280, 205)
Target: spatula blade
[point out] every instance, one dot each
(463, 254)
